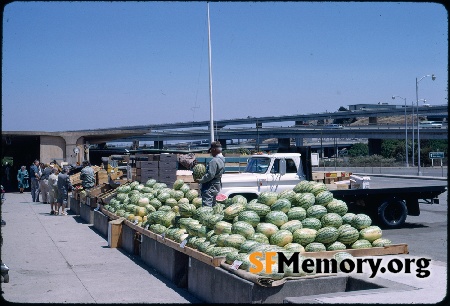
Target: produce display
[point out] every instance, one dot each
(305, 219)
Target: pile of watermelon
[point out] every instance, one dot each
(304, 219)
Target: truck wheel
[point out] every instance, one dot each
(393, 214)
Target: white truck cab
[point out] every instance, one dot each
(265, 172)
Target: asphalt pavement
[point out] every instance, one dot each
(62, 259)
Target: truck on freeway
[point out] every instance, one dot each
(385, 200)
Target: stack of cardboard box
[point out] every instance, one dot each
(333, 179)
(161, 167)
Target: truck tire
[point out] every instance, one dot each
(393, 213)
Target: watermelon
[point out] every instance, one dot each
(220, 198)
(198, 171)
(259, 237)
(331, 219)
(212, 220)
(276, 217)
(197, 202)
(288, 194)
(327, 234)
(261, 209)
(230, 257)
(348, 235)
(233, 211)
(294, 247)
(247, 245)
(281, 238)
(171, 202)
(305, 200)
(361, 221)
(221, 239)
(337, 206)
(222, 227)
(303, 186)
(335, 246)
(340, 256)
(155, 203)
(348, 218)
(381, 242)
(191, 194)
(315, 247)
(291, 226)
(177, 184)
(249, 216)
(304, 236)
(239, 199)
(243, 228)
(157, 228)
(267, 197)
(361, 244)
(318, 187)
(281, 205)
(244, 258)
(267, 229)
(324, 197)
(313, 223)
(234, 240)
(316, 211)
(185, 188)
(370, 233)
(296, 213)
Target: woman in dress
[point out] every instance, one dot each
(22, 178)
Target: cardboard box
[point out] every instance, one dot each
(115, 233)
(359, 182)
(318, 176)
(164, 157)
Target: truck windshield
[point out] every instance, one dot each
(257, 165)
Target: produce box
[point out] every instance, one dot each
(318, 176)
(359, 182)
(115, 233)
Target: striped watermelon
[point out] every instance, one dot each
(191, 194)
(243, 228)
(288, 194)
(244, 258)
(222, 227)
(340, 256)
(294, 247)
(267, 197)
(267, 229)
(324, 197)
(234, 241)
(281, 238)
(276, 217)
(221, 239)
(247, 245)
(177, 184)
(348, 235)
(381, 242)
(303, 186)
(304, 236)
(337, 206)
(259, 237)
(233, 211)
(296, 213)
(327, 234)
(361, 221)
(348, 218)
(292, 225)
(261, 209)
(212, 220)
(305, 200)
(316, 211)
(239, 199)
(313, 223)
(249, 216)
(370, 233)
(335, 246)
(318, 187)
(198, 171)
(331, 219)
(315, 247)
(281, 205)
(361, 244)
(230, 257)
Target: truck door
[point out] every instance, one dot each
(283, 175)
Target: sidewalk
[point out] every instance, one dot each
(62, 259)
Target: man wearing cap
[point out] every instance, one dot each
(211, 182)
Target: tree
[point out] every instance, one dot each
(343, 120)
(359, 149)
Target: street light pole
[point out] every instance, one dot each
(406, 132)
(433, 77)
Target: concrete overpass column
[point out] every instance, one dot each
(299, 141)
(284, 143)
(374, 146)
(223, 142)
(159, 144)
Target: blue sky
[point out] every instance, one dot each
(88, 65)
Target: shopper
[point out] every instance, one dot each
(53, 191)
(87, 177)
(211, 182)
(34, 180)
(22, 178)
(43, 183)
(64, 186)
(40, 170)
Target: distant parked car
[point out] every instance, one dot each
(333, 126)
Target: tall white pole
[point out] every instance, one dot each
(211, 119)
(418, 129)
(406, 137)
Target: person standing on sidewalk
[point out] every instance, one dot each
(22, 178)
(53, 191)
(34, 180)
(43, 183)
(64, 186)
(212, 180)
(38, 191)
(87, 177)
